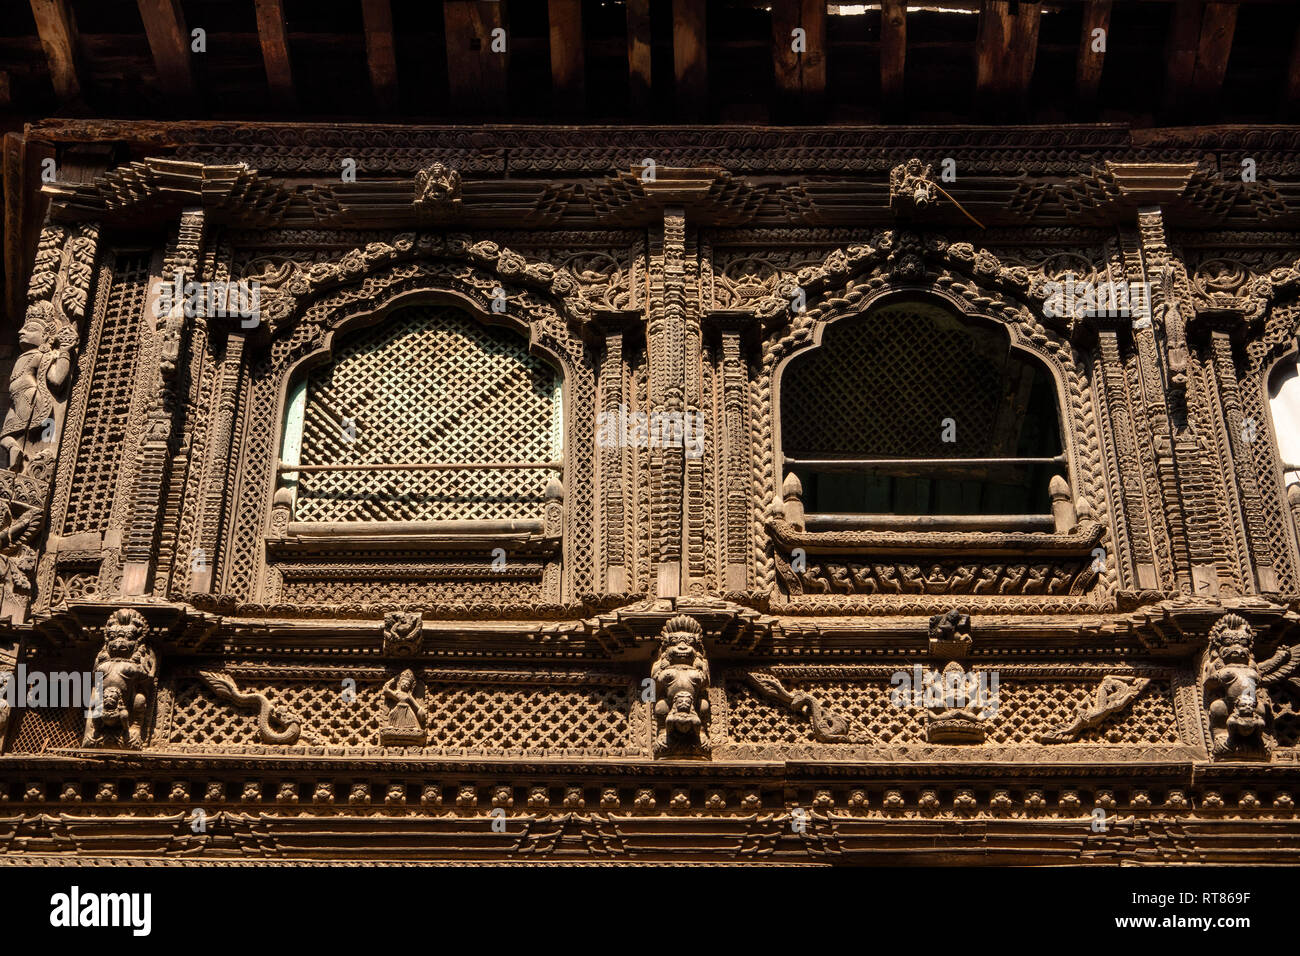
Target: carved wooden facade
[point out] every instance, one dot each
(364, 565)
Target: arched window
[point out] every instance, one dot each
(912, 410)
(429, 416)
(1284, 405)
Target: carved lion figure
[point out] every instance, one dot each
(1238, 707)
(126, 671)
(681, 679)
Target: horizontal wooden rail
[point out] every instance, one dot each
(895, 522)
(283, 466)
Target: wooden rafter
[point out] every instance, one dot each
(381, 55)
(59, 40)
(169, 40)
(800, 74)
(1291, 96)
(690, 59)
(1092, 51)
(1200, 41)
(273, 35)
(893, 54)
(1218, 25)
(568, 84)
(476, 73)
(1006, 49)
(638, 54)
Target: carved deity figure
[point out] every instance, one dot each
(681, 679)
(405, 722)
(126, 670)
(1237, 705)
(39, 375)
(959, 707)
(911, 186)
(437, 184)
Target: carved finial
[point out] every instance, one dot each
(792, 493)
(1063, 513)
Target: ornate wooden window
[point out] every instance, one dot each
(429, 421)
(1284, 405)
(912, 416)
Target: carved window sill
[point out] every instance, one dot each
(920, 542)
(515, 535)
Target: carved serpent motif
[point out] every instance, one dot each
(224, 686)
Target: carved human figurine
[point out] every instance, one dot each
(38, 375)
(1237, 705)
(681, 679)
(126, 670)
(405, 723)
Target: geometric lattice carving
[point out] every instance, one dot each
(109, 400)
(1024, 708)
(429, 384)
(882, 386)
(494, 718)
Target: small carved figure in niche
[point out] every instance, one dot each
(127, 674)
(405, 723)
(681, 678)
(1238, 707)
(911, 186)
(403, 633)
(961, 702)
(38, 375)
(950, 634)
(437, 185)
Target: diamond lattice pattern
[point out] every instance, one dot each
(430, 384)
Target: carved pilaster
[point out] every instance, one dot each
(180, 265)
(666, 344)
(614, 405)
(218, 464)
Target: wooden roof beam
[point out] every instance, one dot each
(1200, 40)
(568, 80)
(1291, 96)
(799, 59)
(893, 53)
(476, 72)
(59, 40)
(1005, 51)
(274, 39)
(381, 54)
(638, 55)
(1092, 52)
(690, 59)
(1218, 25)
(164, 24)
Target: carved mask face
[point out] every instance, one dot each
(1234, 651)
(112, 699)
(121, 640)
(32, 334)
(683, 702)
(682, 649)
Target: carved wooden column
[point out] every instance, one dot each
(215, 479)
(733, 450)
(180, 265)
(39, 385)
(612, 457)
(1181, 449)
(1244, 502)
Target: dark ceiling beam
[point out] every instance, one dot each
(381, 54)
(274, 39)
(59, 40)
(164, 25)
(568, 79)
(1291, 95)
(476, 74)
(800, 74)
(690, 59)
(1218, 25)
(1087, 77)
(893, 56)
(638, 55)
(1005, 51)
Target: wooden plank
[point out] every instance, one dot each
(1006, 49)
(476, 73)
(14, 272)
(1218, 24)
(893, 55)
(273, 35)
(638, 55)
(164, 24)
(1087, 77)
(1291, 96)
(799, 74)
(1180, 53)
(381, 55)
(568, 81)
(59, 40)
(690, 59)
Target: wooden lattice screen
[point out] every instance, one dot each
(429, 384)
